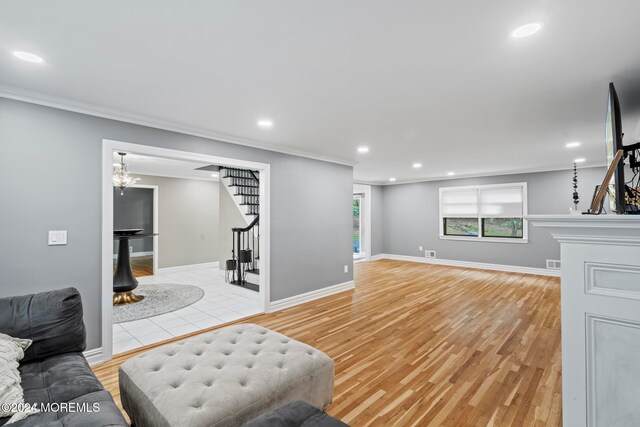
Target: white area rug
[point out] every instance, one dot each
(158, 299)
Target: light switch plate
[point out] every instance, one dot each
(57, 237)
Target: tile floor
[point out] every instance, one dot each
(221, 303)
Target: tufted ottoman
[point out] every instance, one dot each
(223, 378)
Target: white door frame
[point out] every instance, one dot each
(108, 147)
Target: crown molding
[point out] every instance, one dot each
(487, 174)
(33, 97)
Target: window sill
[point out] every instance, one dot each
(485, 239)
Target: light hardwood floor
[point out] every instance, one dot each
(140, 265)
(428, 345)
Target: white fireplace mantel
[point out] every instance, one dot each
(600, 302)
(598, 229)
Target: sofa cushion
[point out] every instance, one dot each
(58, 379)
(11, 393)
(295, 414)
(52, 320)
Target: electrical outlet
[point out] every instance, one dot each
(346, 268)
(420, 248)
(429, 254)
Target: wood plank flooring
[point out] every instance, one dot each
(140, 265)
(428, 345)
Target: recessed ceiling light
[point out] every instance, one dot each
(417, 165)
(392, 179)
(265, 123)
(450, 173)
(573, 144)
(526, 30)
(363, 149)
(27, 56)
(214, 175)
(580, 160)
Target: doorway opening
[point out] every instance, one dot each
(358, 229)
(169, 235)
(361, 222)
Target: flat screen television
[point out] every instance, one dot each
(613, 136)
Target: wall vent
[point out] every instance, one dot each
(430, 254)
(553, 264)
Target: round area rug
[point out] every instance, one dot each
(158, 299)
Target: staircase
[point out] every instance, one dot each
(244, 187)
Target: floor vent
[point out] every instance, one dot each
(430, 254)
(553, 264)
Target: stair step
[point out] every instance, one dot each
(245, 284)
(242, 185)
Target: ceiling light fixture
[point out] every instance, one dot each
(573, 144)
(121, 177)
(214, 175)
(363, 149)
(417, 165)
(580, 160)
(526, 30)
(450, 173)
(265, 123)
(29, 57)
(392, 179)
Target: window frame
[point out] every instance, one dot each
(481, 237)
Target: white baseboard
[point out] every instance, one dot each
(309, 296)
(94, 356)
(135, 254)
(376, 257)
(470, 264)
(180, 268)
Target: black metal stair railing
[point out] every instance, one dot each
(245, 251)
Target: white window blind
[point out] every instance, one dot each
(459, 203)
(484, 212)
(501, 202)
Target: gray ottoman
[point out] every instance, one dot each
(223, 378)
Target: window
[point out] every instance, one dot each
(484, 212)
(357, 226)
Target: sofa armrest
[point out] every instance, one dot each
(53, 320)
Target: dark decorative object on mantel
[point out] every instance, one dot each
(576, 198)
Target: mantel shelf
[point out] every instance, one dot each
(596, 229)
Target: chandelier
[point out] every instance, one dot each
(121, 177)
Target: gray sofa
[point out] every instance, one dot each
(298, 414)
(53, 369)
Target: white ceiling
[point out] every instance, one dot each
(158, 166)
(440, 82)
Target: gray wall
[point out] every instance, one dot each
(57, 155)
(187, 220)
(134, 209)
(411, 218)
